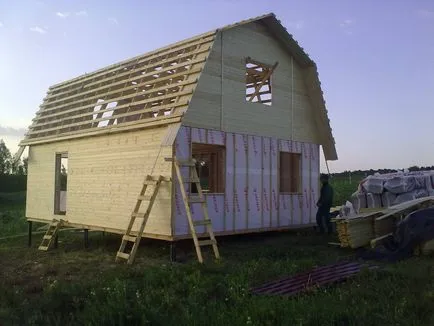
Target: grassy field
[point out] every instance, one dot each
(72, 285)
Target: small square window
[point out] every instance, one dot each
(290, 172)
(258, 82)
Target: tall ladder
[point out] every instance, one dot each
(51, 233)
(153, 182)
(189, 200)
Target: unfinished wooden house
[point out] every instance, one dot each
(244, 101)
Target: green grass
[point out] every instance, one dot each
(72, 285)
(343, 188)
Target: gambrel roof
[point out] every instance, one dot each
(153, 89)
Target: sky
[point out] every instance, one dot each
(375, 61)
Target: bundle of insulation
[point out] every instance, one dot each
(385, 190)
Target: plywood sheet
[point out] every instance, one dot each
(266, 182)
(240, 188)
(254, 184)
(182, 152)
(305, 178)
(231, 206)
(314, 179)
(274, 183)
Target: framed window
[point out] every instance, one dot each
(61, 183)
(258, 81)
(210, 167)
(290, 172)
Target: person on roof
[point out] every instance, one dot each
(324, 204)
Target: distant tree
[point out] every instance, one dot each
(25, 165)
(5, 159)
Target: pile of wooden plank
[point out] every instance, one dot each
(355, 231)
(369, 228)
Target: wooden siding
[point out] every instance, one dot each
(105, 175)
(219, 101)
(251, 200)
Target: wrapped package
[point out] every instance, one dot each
(406, 196)
(388, 199)
(373, 200)
(358, 199)
(373, 184)
(428, 183)
(419, 182)
(347, 210)
(401, 184)
(420, 193)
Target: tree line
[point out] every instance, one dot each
(7, 164)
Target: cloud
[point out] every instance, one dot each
(346, 26)
(9, 131)
(346, 23)
(425, 13)
(38, 29)
(62, 14)
(113, 21)
(81, 13)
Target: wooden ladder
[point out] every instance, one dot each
(51, 233)
(188, 200)
(153, 182)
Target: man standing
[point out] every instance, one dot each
(324, 204)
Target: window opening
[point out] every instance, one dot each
(61, 183)
(210, 163)
(290, 172)
(258, 81)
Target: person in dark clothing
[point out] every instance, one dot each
(324, 204)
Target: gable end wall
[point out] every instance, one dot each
(219, 102)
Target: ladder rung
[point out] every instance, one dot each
(138, 215)
(145, 197)
(203, 222)
(123, 255)
(43, 248)
(192, 180)
(196, 200)
(129, 238)
(185, 163)
(47, 237)
(150, 182)
(207, 242)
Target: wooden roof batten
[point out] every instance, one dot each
(151, 90)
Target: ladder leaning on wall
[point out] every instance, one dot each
(153, 184)
(189, 200)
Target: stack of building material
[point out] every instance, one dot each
(386, 190)
(356, 231)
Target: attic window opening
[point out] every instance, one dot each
(258, 82)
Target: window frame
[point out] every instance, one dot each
(219, 172)
(298, 178)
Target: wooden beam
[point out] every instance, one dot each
(204, 38)
(135, 125)
(258, 87)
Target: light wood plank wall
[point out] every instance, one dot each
(219, 101)
(105, 175)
